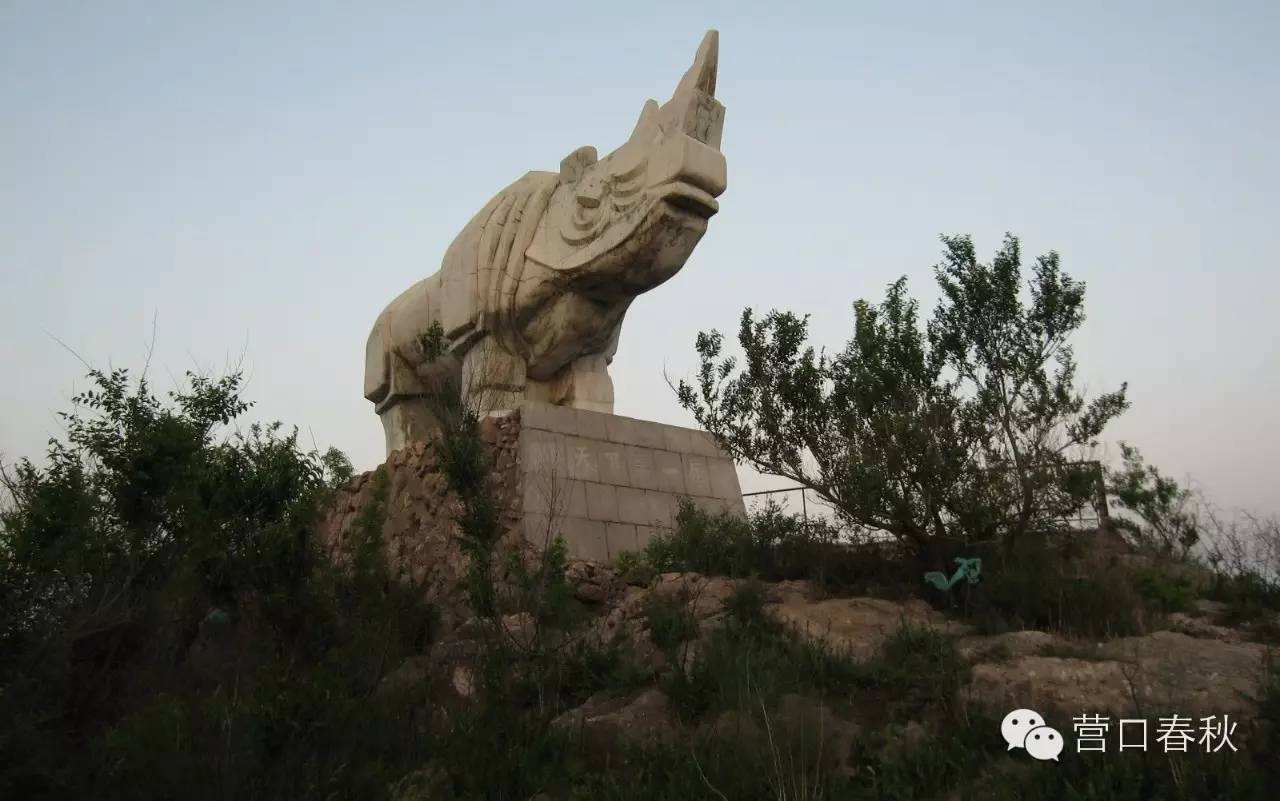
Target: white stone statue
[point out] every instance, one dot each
(530, 296)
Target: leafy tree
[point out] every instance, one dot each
(140, 489)
(963, 428)
(1164, 515)
(148, 526)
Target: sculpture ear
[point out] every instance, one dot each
(647, 126)
(576, 163)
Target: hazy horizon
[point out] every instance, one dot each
(261, 183)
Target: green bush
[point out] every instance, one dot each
(750, 660)
(1248, 594)
(773, 545)
(951, 429)
(634, 568)
(167, 626)
(1040, 584)
(920, 668)
(671, 623)
(745, 605)
(1157, 516)
(168, 629)
(1165, 589)
(703, 542)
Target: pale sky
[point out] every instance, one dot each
(263, 182)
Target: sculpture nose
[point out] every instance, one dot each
(685, 160)
(703, 166)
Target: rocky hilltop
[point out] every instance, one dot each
(661, 629)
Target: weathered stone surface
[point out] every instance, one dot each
(671, 472)
(1173, 669)
(797, 730)
(1051, 685)
(1161, 672)
(602, 502)
(606, 720)
(531, 295)
(621, 538)
(704, 595)
(1202, 628)
(633, 506)
(415, 519)
(593, 583)
(857, 626)
(995, 647)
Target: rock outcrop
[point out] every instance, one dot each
(856, 626)
(407, 504)
(1191, 665)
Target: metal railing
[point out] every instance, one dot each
(804, 506)
(1092, 514)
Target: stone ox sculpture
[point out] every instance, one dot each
(530, 296)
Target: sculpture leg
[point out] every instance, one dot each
(585, 384)
(407, 421)
(493, 379)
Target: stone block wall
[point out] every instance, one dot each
(608, 483)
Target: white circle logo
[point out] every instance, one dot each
(1044, 742)
(1017, 723)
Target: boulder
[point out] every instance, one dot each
(593, 583)
(1201, 628)
(857, 626)
(998, 647)
(705, 595)
(1163, 672)
(1051, 685)
(608, 721)
(1176, 672)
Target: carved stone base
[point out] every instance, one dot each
(607, 483)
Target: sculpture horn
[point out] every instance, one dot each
(693, 109)
(701, 76)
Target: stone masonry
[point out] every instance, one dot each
(608, 483)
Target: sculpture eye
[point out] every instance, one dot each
(589, 216)
(626, 183)
(628, 167)
(589, 194)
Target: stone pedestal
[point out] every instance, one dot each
(607, 483)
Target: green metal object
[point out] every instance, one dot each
(970, 569)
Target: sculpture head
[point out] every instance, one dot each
(629, 221)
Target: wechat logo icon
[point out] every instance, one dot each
(1025, 728)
